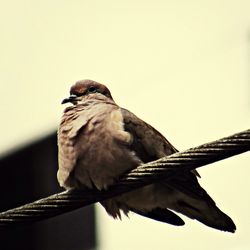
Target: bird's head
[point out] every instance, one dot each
(87, 89)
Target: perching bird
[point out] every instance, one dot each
(99, 141)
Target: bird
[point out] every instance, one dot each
(99, 141)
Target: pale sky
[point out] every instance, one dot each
(182, 66)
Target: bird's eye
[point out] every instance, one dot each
(92, 89)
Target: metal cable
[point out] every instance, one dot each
(163, 168)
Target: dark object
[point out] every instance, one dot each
(29, 174)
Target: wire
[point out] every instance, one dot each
(163, 168)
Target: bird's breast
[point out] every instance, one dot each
(100, 146)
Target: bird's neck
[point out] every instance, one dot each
(91, 102)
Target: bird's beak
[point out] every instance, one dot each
(72, 99)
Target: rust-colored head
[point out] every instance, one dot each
(85, 88)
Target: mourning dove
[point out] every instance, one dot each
(99, 141)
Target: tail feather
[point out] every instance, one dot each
(207, 214)
(162, 215)
(190, 199)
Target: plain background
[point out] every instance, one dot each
(182, 66)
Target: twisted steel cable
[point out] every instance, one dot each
(163, 168)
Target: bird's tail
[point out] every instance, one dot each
(207, 213)
(190, 199)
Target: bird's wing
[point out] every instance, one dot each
(150, 145)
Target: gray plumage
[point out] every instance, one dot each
(98, 142)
